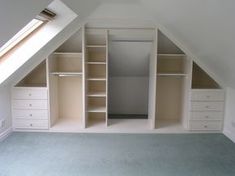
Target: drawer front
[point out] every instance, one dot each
(209, 95)
(31, 124)
(206, 125)
(207, 106)
(29, 104)
(206, 115)
(30, 114)
(29, 94)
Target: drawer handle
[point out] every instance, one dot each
(207, 117)
(30, 115)
(205, 126)
(30, 94)
(31, 124)
(208, 107)
(208, 96)
(30, 105)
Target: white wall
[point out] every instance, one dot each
(229, 123)
(5, 107)
(128, 95)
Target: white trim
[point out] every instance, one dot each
(5, 134)
(230, 135)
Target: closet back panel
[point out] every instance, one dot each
(170, 65)
(97, 86)
(70, 63)
(70, 97)
(96, 101)
(97, 71)
(169, 98)
(96, 55)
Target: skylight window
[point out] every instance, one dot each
(34, 24)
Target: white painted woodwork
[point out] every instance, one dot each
(207, 95)
(31, 124)
(206, 125)
(30, 114)
(29, 93)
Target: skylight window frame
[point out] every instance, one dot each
(45, 16)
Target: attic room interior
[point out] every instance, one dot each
(117, 87)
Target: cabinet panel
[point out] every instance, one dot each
(29, 104)
(206, 115)
(29, 93)
(31, 124)
(207, 106)
(206, 125)
(209, 95)
(30, 114)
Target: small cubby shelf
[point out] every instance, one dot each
(36, 78)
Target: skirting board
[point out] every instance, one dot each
(5, 134)
(230, 135)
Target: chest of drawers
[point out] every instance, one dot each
(30, 108)
(207, 110)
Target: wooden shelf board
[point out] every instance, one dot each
(66, 73)
(172, 55)
(96, 79)
(97, 63)
(96, 94)
(68, 53)
(171, 74)
(96, 46)
(97, 109)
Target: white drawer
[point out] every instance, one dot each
(206, 125)
(30, 114)
(29, 93)
(207, 106)
(207, 95)
(31, 124)
(206, 115)
(29, 104)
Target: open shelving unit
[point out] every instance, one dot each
(173, 85)
(66, 75)
(96, 58)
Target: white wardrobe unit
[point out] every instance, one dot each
(98, 73)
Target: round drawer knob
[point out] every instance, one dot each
(30, 105)
(31, 124)
(30, 115)
(207, 107)
(206, 117)
(30, 94)
(205, 126)
(208, 96)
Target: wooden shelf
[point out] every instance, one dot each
(69, 53)
(172, 55)
(96, 46)
(62, 74)
(171, 74)
(96, 79)
(96, 94)
(97, 109)
(96, 63)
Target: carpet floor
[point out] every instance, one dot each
(57, 154)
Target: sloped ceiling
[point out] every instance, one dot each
(206, 27)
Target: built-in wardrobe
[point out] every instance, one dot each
(118, 80)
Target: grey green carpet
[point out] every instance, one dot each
(51, 154)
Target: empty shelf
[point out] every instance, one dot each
(96, 46)
(69, 53)
(96, 79)
(171, 74)
(97, 109)
(172, 55)
(96, 94)
(98, 63)
(61, 74)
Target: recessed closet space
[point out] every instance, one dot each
(66, 85)
(129, 54)
(96, 58)
(173, 84)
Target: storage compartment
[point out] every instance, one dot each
(97, 88)
(96, 54)
(97, 71)
(201, 80)
(207, 95)
(206, 125)
(207, 106)
(171, 64)
(206, 115)
(31, 124)
(36, 78)
(30, 114)
(29, 93)
(29, 104)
